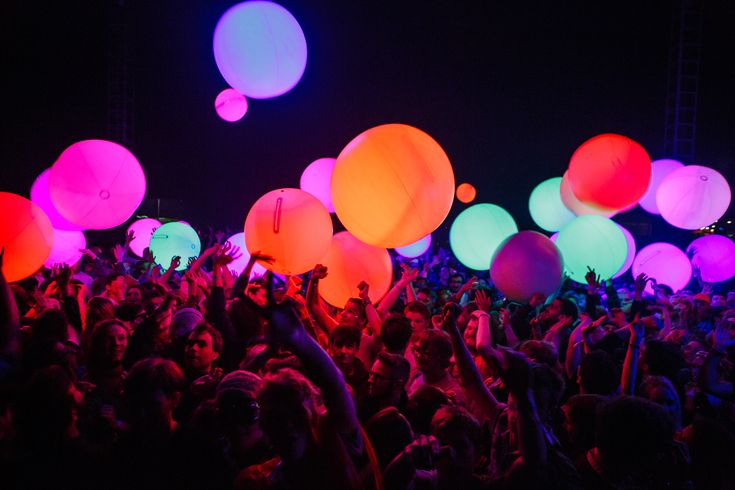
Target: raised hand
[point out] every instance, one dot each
(319, 272)
(363, 290)
(593, 280)
(482, 300)
(408, 274)
(175, 262)
(637, 330)
(449, 315)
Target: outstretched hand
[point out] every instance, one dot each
(482, 300)
(284, 324)
(593, 280)
(319, 272)
(450, 313)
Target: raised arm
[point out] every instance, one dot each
(630, 365)
(387, 302)
(313, 302)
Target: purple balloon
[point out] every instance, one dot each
(40, 195)
(714, 255)
(665, 263)
(631, 252)
(659, 170)
(316, 179)
(143, 230)
(67, 248)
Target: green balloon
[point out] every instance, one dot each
(173, 239)
(477, 232)
(546, 207)
(595, 242)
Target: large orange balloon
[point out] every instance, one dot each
(392, 185)
(610, 171)
(26, 234)
(291, 226)
(575, 205)
(466, 193)
(350, 261)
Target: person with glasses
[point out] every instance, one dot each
(433, 353)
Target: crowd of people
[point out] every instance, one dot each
(117, 373)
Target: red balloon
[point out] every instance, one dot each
(26, 234)
(610, 171)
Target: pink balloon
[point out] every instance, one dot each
(693, 197)
(631, 252)
(40, 195)
(67, 248)
(659, 170)
(714, 255)
(575, 205)
(231, 105)
(142, 229)
(238, 265)
(316, 180)
(96, 184)
(664, 262)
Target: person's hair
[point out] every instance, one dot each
(361, 314)
(246, 320)
(540, 351)
(134, 286)
(149, 376)
(568, 308)
(128, 311)
(581, 410)
(389, 432)
(422, 405)
(439, 340)
(428, 291)
(204, 327)
(420, 308)
(47, 330)
(396, 363)
(110, 278)
(96, 359)
(548, 388)
(99, 308)
(293, 390)
(663, 359)
(598, 373)
(345, 335)
(666, 289)
(395, 332)
(451, 419)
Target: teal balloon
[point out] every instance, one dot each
(546, 207)
(477, 232)
(173, 239)
(592, 241)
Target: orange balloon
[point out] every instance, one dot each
(291, 226)
(26, 234)
(350, 261)
(466, 192)
(610, 171)
(575, 205)
(392, 185)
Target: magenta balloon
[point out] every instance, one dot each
(527, 263)
(316, 179)
(67, 248)
(238, 265)
(664, 262)
(693, 197)
(231, 105)
(415, 249)
(631, 252)
(714, 255)
(659, 170)
(40, 195)
(96, 184)
(142, 229)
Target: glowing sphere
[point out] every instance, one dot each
(231, 105)
(40, 195)
(525, 264)
(96, 184)
(592, 241)
(172, 239)
(693, 197)
(291, 226)
(575, 205)
(350, 261)
(316, 179)
(143, 230)
(238, 265)
(392, 185)
(714, 255)
(659, 170)
(477, 232)
(546, 207)
(260, 49)
(67, 248)
(26, 234)
(610, 171)
(415, 249)
(630, 254)
(466, 193)
(665, 263)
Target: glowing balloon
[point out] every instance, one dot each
(553, 237)
(477, 232)
(350, 261)
(546, 206)
(231, 105)
(525, 264)
(40, 196)
(575, 205)
(142, 230)
(415, 249)
(172, 239)
(96, 184)
(665, 263)
(714, 255)
(693, 197)
(316, 179)
(260, 49)
(659, 170)
(26, 234)
(466, 193)
(67, 248)
(630, 254)
(291, 226)
(592, 241)
(392, 185)
(610, 171)
(238, 265)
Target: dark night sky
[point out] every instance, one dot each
(509, 89)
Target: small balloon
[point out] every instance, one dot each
(231, 105)
(466, 193)
(175, 239)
